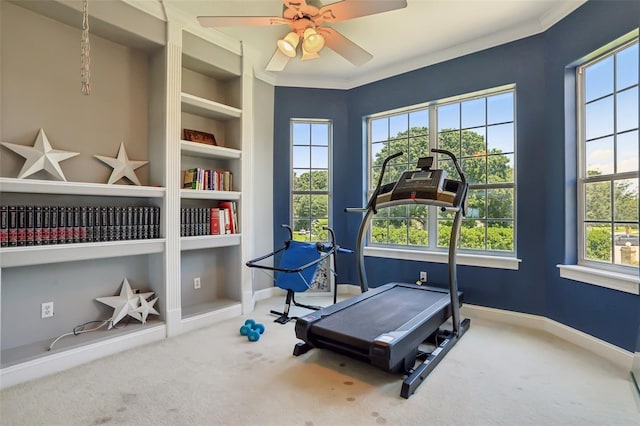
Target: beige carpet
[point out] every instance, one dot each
(496, 375)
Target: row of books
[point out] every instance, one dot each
(22, 225)
(207, 179)
(221, 220)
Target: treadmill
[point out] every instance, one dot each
(385, 326)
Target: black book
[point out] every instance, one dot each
(111, 224)
(135, 235)
(117, 223)
(129, 220)
(62, 225)
(54, 230)
(46, 225)
(83, 224)
(145, 222)
(104, 224)
(97, 224)
(37, 228)
(13, 225)
(90, 223)
(4, 226)
(22, 226)
(69, 225)
(76, 224)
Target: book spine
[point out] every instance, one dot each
(84, 222)
(90, 223)
(46, 225)
(30, 223)
(69, 225)
(62, 225)
(214, 220)
(130, 225)
(4, 226)
(54, 223)
(117, 223)
(156, 222)
(207, 221)
(22, 225)
(111, 223)
(13, 226)
(76, 224)
(37, 228)
(104, 224)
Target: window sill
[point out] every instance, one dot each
(462, 259)
(613, 280)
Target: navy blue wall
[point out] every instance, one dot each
(537, 66)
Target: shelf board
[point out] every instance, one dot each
(35, 186)
(54, 253)
(205, 314)
(209, 241)
(200, 194)
(207, 108)
(208, 151)
(29, 359)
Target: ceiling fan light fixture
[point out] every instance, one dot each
(312, 41)
(308, 55)
(288, 44)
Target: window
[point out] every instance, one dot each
(480, 130)
(608, 160)
(310, 178)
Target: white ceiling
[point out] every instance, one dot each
(423, 33)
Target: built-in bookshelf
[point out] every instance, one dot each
(211, 102)
(142, 67)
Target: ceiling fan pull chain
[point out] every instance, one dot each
(85, 48)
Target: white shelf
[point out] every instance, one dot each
(34, 360)
(34, 186)
(206, 108)
(200, 194)
(205, 314)
(209, 241)
(208, 151)
(54, 253)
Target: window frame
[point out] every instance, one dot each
(618, 270)
(432, 252)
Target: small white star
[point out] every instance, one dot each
(147, 308)
(124, 304)
(40, 156)
(122, 166)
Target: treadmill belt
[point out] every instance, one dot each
(373, 316)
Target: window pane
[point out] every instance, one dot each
(627, 67)
(320, 180)
(627, 153)
(626, 199)
(398, 230)
(599, 79)
(599, 118)
(500, 235)
(418, 147)
(378, 152)
(500, 203)
(625, 248)
(398, 126)
(301, 133)
(301, 181)
(500, 168)
(472, 235)
(444, 232)
(379, 129)
(319, 206)
(450, 141)
(598, 242)
(301, 229)
(449, 117)
(379, 231)
(419, 122)
(419, 225)
(599, 157)
(320, 157)
(500, 108)
(319, 134)
(476, 204)
(301, 157)
(473, 113)
(473, 142)
(301, 206)
(627, 110)
(598, 201)
(500, 138)
(475, 169)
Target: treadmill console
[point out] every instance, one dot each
(419, 184)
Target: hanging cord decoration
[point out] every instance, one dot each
(85, 48)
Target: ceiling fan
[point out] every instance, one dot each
(307, 29)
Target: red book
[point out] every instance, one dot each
(214, 221)
(230, 225)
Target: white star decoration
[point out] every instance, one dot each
(128, 303)
(40, 156)
(122, 166)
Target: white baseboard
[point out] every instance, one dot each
(612, 353)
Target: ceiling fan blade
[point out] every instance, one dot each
(344, 47)
(277, 62)
(349, 9)
(236, 21)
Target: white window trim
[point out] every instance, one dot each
(486, 261)
(614, 280)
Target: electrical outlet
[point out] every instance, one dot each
(423, 276)
(46, 310)
(196, 283)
